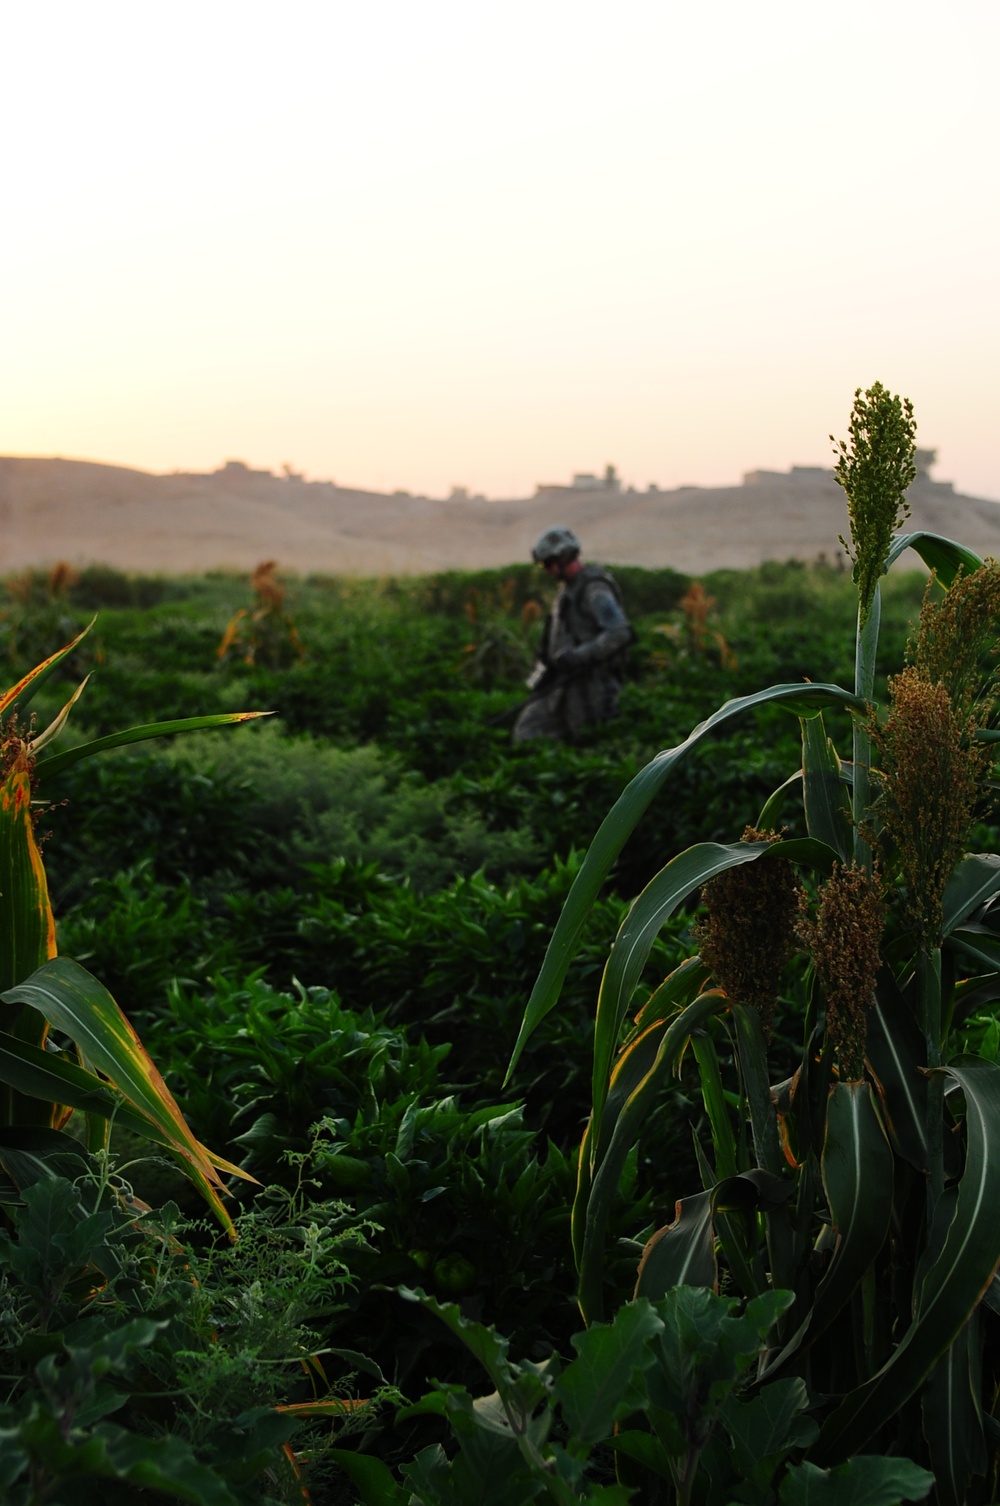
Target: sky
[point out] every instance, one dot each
(464, 243)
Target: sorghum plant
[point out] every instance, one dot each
(866, 1184)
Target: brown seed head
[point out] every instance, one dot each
(749, 931)
(844, 940)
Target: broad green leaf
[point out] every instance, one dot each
(866, 1481)
(19, 695)
(372, 1479)
(827, 806)
(974, 881)
(763, 1430)
(952, 1286)
(621, 820)
(937, 553)
(57, 762)
(605, 1383)
(953, 1419)
(706, 1346)
(489, 1347)
(71, 1000)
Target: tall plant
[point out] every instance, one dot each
(64, 1043)
(867, 1183)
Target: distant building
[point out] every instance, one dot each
(238, 470)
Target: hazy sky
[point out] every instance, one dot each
(462, 242)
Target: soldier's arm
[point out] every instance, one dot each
(614, 632)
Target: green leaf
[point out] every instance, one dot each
(681, 1253)
(69, 998)
(763, 1430)
(33, 1152)
(372, 1479)
(605, 1383)
(857, 1177)
(953, 1420)
(681, 877)
(937, 553)
(866, 1481)
(622, 819)
(705, 1348)
(827, 805)
(26, 921)
(975, 880)
(897, 1053)
(951, 1288)
(633, 1092)
(47, 767)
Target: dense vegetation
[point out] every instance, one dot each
(325, 927)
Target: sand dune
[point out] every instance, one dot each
(84, 513)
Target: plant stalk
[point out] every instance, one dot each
(866, 649)
(928, 981)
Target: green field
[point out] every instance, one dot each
(325, 926)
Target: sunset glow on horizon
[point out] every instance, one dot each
(488, 246)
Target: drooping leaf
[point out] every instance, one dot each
(937, 553)
(681, 1253)
(623, 817)
(974, 881)
(73, 1001)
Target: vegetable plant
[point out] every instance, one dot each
(865, 1182)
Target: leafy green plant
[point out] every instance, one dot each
(134, 1363)
(664, 1385)
(865, 1183)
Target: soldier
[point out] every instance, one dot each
(581, 663)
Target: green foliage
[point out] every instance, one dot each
(664, 1385)
(128, 1367)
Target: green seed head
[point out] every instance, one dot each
(875, 467)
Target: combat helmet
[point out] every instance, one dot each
(554, 543)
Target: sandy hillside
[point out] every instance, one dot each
(54, 509)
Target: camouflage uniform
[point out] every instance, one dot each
(588, 633)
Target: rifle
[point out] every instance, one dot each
(543, 679)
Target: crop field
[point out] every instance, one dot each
(326, 924)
